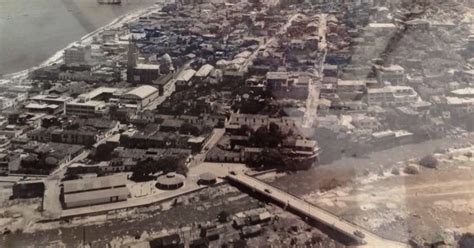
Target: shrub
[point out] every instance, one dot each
(330, 184)
(429, 161)
(412, 169)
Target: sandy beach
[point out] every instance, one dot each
(57, 57)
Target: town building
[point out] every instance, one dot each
(4, 161)
(166, 85)
(459, 106)
(203, 72)
(351, 89)
(95, 190)
(185, 79)
(93, 103)
(77, 55)
(140, 96)
(394, 74)
(390, 138)
(392, 96)
(464, 92)
(143, 73)
(365, 122)
(51, 99)
(236, 121)
(277, 80)
(88, 133)
(28, 189)
(85, 108)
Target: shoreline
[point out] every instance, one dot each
(57, 57)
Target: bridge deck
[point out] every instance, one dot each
(314, 212)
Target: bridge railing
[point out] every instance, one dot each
(308, 204)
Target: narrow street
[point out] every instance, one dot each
(264, 46)
(161, 99)
(313, 90)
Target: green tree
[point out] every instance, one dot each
(274, 129)
(260, 136)
(264, 137)
(143, 170)
(46, 85)
(187, 128)
(146, 168)
(245, 130)
(168, 164)
(268, 158)
(103, 152)
(223, 216)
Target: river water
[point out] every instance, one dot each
(31, 31)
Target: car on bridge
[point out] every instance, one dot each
(267, 191)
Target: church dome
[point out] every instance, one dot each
(166, 60)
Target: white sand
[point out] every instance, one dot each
(85, 40)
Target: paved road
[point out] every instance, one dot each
(313, 90)
(216, 135)
(62, 168)
(153, 105)
(264, 46)
(314, 212)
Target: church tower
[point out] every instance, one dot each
(132, 57)
(132, 54)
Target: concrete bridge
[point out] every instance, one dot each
(333, 225)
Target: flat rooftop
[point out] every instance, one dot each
(147, 67)
(93, 183)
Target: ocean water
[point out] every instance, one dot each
(33, 30)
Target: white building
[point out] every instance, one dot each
(186, 76)
(92, 103)
(77, 55)
(460, 105)
(51, 99)
(394, 74)
(95, 190)
(361, 121)
(465, 92)
(140, 96)
(85, 108)
(392, 96)
(204, 71)
(256, 121)
(6, 102)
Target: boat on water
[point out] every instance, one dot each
(109, 1)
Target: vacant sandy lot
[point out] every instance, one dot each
(432, 205)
